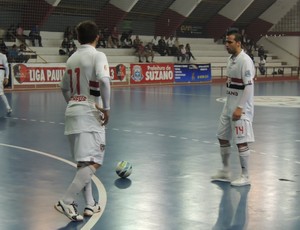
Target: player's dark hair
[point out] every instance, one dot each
(87, 32)
(237, 36)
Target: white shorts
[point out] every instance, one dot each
(239, 131)
(89, 147)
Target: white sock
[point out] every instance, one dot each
(88, 194)
(244, 153)
(225, 153)
(82, 178)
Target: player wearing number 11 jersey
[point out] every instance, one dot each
(86, 89)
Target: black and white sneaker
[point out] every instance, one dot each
(90, 210)
(69, 210)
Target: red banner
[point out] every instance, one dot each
(152, 73)
(37, 74)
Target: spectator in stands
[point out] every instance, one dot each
(149, 52)
(136, 42)
(35, 35)
(69, 33)
(20, 33)
(181, 54)
(189, 53)
(24, 55)
(162, 46)
(126, 41)
(154, 42)
(140, 51)
(3, 47)
(171, 48)
(66, 45)
(105, 36)
(261, 51)
(262, 65)
(115, 37)
(11, 33)
(101, 41)
(14, 55)
(72, 50)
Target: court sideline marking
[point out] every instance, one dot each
(100, 187)
(150, 133)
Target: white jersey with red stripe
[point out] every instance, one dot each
(83, 72)
(240, 73)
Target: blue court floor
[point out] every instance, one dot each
(168, 134)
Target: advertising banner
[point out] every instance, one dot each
(192, 72)
(33, 74)
(152, 73)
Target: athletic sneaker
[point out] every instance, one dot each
(9, 111)
(242, 181)
(90, 210)
(222, 175)
(69, 210)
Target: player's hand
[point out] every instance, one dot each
(5, 81)
(104, 115)
(237, 114)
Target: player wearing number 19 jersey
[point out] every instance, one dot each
(86, 89)
(236, 118)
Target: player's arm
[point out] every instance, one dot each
(102, 73)
(64, 86)
(105, 96)
(248, 75)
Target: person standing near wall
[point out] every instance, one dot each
(86, 88)
(236, 118)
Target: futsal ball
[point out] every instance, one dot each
(124, 169)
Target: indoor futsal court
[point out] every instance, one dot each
(168, 134)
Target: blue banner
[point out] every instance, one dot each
(192, 72)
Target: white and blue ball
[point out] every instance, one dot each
(124, 169)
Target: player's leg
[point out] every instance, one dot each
(80, 146)
(3, 97)
(243, 135)
(224, 135)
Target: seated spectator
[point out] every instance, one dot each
(261, 51)
(25, 54)
(14, 55)
(20, 34)
(126, 41)
(101, 41)
(105, 35)
(35, 35)
(171, 48)
(148, 52)
(189, 53)
(140, 51)
(115, 37)
(72, 50)
(154, 42)
(262, 65)
(136, 43)
(162, 46)
(66, 46)
(11, 33)
(3, 47)
(69, 33)
(181, 54)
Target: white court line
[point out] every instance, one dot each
(100, 187)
